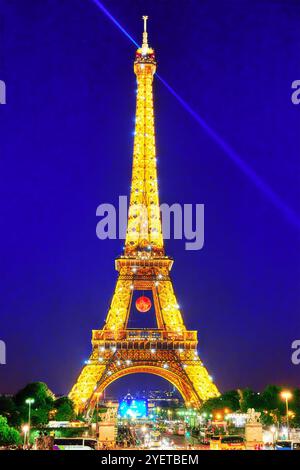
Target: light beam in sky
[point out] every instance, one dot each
(273, 197)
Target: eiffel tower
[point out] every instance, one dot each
(169, 350)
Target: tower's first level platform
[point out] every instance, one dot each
(143, 339)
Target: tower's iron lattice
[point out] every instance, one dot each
(169, 351)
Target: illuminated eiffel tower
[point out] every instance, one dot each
(170, 350)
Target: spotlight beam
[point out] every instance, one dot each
(115, 21)
(273, 197)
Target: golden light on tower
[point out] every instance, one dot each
(144, 225)
(169, 350)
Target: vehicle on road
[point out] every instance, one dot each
(287, 445)
(232, 443)
(214, 442)
(74, 443)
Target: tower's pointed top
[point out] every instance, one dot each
(145, 45)
(145, 54)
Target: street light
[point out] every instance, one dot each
(287, 395)
(29, 402)
(273, 431)
(144, 430)
(25, 430)
(98, 395)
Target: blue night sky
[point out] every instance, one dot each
(66, 146)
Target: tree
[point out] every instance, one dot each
(40, 416)
(7, 406)
(295, 407)
(231, 400)
(269, 403)
(43, 402)
(271, 398)
(64, 409)
(9, 410)
(228, 400)
(251, 399)
(39, 391)
(8, 434)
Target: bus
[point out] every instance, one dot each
(214, 442)
(287, 445)
(74, 443)
(232, 443)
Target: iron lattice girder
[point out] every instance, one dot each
(144, 223)
(132, 335)
(166, 307)
(183, 369)
(145, 260)
(115, 359)
(195, 387)
(167, 364)
(144, 266)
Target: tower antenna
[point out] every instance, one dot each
(145, 34)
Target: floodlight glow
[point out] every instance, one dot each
(134, 409)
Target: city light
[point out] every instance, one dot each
(133, 409)
(286, 395)
(29, 401)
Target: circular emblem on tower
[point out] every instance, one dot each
(143, 304)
